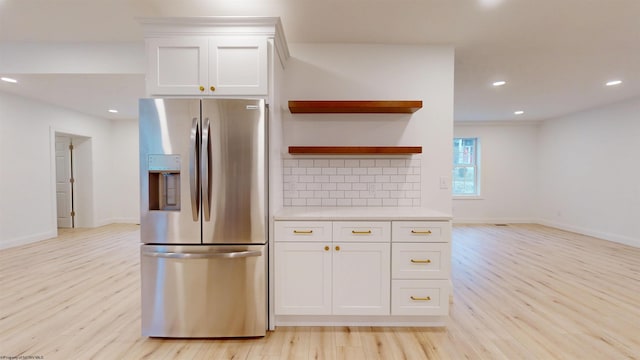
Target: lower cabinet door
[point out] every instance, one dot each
(361, 278)
(302, 278)
(420, 297)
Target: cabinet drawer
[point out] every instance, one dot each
(421, 231)
(357, 231)
(302, 231)
(420, 297)
(420, 260)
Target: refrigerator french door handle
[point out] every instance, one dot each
(206, 162)
(224, 255)
(194, 158)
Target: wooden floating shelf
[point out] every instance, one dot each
(354, 107)
(356, 150)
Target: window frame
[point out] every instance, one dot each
(477, 195)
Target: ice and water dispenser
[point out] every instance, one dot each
(164, 182)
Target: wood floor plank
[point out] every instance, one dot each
(521, 292)
(322, 343)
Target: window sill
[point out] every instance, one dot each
(467, 197)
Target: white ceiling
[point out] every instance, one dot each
(555, 55)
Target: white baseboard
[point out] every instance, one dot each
(494, 221)
(622, 239)
(51, 234)
(377, 320)
(104, 222)
(125, 221)
(28, 239)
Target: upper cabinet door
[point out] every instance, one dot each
(238, 65)
(177, 66)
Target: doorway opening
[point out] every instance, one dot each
(65, 210)
(73, 180)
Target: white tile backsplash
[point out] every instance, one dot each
(352, 182)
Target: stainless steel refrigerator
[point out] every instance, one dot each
(203, 179)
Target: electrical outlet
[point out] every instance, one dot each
(444, 182)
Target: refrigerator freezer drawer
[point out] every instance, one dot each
(203, 291)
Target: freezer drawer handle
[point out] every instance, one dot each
(228, 255)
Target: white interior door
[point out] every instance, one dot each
(64, 203)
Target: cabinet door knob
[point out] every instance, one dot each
(337, 248)
(201, 88)
(326, 248)
(213, 88)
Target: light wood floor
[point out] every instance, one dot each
(521, 292)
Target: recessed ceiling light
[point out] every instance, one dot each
(113, 111)
(519, 112)
(613, 82)
(9, 80)
(499, 83)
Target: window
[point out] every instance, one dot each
(465, 167)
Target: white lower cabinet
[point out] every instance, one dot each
(421, 268)
(420, 297)
(355, 268)
(361, 278)
(303, 278)
(316, 276)
(420, 261)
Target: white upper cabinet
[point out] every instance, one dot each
(238, 66)
(212, 56)
(219, 65)
(177, 66)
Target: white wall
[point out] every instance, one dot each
(27, 129)
(377, 72)
(589, 174)
(508, 174)
(125, 175)
(72, 58)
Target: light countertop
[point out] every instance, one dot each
(360, 213)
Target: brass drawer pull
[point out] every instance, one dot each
(360, 232)
(337, 248)
(303, 231)
(428, 298)
(427, 261)
(421, 232)
(326, 248)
